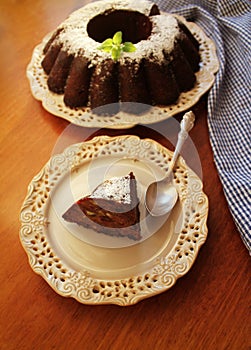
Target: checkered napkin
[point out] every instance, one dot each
(228, 23)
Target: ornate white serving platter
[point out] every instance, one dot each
(54, 104)
(94, 273)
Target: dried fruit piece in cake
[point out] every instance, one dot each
(112, 208)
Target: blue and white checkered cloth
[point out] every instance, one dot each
(228, 23)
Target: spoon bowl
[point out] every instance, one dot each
(162, 195)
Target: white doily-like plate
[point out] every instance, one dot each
(97, 275)
(54, 104)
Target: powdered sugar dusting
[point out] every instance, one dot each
(165, 31)
(75, 38)
(116, 188)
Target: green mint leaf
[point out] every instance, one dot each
(107, 48)
(115, 46)
(128, 47)
(116, 51)
(117, 38)
(107, 42)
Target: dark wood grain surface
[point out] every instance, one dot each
(208, 308)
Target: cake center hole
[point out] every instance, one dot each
(134, 26)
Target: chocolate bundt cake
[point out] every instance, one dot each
(162, 66)
(112, 208)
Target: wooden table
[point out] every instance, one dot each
(206, 309)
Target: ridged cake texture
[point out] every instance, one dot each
(162, 66)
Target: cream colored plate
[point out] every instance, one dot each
(84, 116)
(97, 275)
(85, 178)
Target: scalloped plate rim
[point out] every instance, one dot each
(118, 301)
(205, 76)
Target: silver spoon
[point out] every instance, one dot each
(162, 195)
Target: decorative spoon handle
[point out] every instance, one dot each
(185, 126)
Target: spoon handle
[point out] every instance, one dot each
(185, 126)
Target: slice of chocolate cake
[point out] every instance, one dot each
(112, 208)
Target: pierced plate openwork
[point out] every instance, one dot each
(54, 103)
(124, 276)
